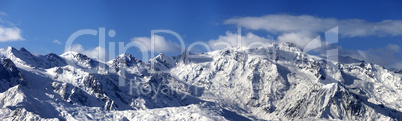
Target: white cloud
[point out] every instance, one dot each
(161, 44)
(303, 29)
(57, 42)
(3, 13)
(232, 40)
(10, 34)
(386, 56)
(347, 27)
(397, 65)
(97, 52)
(283, 23)
(360, 28)
(301, 38)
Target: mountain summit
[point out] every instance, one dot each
(274, 82)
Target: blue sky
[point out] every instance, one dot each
(40, 23)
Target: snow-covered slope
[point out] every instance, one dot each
(274, 82)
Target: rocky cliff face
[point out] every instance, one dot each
(9, 75)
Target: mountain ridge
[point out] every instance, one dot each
(273, 82)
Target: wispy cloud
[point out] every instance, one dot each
(161, 44)
(347, 27)
(234, 40)
(2, 13)
(97, 52)
(8, 33)
(302, 29)
(299, 38)
(385, 56)
(57, 42)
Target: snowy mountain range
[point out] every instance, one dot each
(274, 82)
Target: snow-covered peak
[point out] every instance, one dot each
(55, 60)
(124, 60)
(11, 51)
(162, 57)
(79, 59)
(76, 56)
(289, 46)
(23, 49)
(22, 56)
(69, 53)
(163, 62)
(127, 58)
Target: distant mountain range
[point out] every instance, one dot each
(275, 82)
